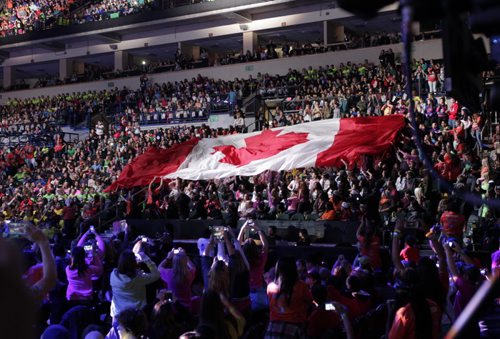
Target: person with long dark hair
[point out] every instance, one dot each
(128, 283)
(79, 274)
(257, 258)
(178, 272)
(289, 299)
(419, 317)
(433, 281)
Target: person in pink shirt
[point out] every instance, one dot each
(178, 273)
(79, 274)
(293, 202)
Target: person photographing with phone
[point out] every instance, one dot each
(257, 258)
(178, 272)
(231, 276)
(128, 282)
(101, 246)
(467, 279)
(20, 302)
(95, 249)
(417, 314)
(79, 274)
(327, 318)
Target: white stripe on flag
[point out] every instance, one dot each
(203, 163)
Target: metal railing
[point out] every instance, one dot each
(101, 222)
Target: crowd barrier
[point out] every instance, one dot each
(332, 232)
(322, 252)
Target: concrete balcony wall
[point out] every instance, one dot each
(429, 49)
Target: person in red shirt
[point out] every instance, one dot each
(452, 221)
(419, 317)
(330, 213)
(410, 253)
(369, 243)
(321, 320)
(69, 218)
(453, 113)
(289, 299)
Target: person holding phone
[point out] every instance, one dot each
(101, 246)
(257, 258)
(420, 309)
(178, 272)
(79, 274)
(323, 318)
(19, 302)
(128, 283)
(467, 280)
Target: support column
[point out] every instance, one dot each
(65, 69)
(250, 42)
(121, 60)
(189, 51)
(78, 67)
(8, 77)
(332, 32)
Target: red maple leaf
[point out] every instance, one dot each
(260, 146)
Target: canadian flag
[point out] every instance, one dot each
(322, 143)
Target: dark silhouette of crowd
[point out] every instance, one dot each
(418, 255)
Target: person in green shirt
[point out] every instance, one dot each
(71, 151)
(49, 196)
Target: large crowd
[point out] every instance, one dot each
(179, 61)
(21, 17)
(110, 9)
(130, 285)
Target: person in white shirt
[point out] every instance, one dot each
(128, 283)
(325, 181)
(401, 182)
(99, 128)
(294, 184)
(239, 122)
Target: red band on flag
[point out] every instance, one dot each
(154, 162)
(260, 146)
(360, 136)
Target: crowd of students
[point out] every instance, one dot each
(179, 61)
(226, 292)
(20, 17)
(132, 286)
(110, 9)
